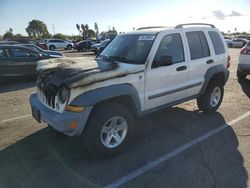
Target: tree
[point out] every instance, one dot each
(92, 33)
(60, 36)
(87, 30)
(96, 29)
(37, 29)
(18, 35)
(1, 37)
(78, 28)
(83, 30)
(113, 31)
(7, 35)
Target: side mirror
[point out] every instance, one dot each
(163, 61)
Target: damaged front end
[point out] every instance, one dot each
(54, 84)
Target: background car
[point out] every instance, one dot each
(244, 62)
(8, 42)
(237, 43)
(47, 52)
(53, 44)
(28, 41)
(83, 45)
(100, 46)
(19, 60)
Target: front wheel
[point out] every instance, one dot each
(109, 130)
(241, 75)
(211, 100)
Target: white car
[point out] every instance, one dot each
(137, 73)
(53, 44)
(244, 62)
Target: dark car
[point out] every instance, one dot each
(83, 45)
(8, 42)
(47, 52)
(28, 41)
(19, 60)
(100, 46)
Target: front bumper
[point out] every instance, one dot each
(61, 121)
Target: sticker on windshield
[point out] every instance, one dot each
(146, 37)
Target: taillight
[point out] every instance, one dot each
(245, 51)
(228, 61)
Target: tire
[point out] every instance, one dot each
(99, 136)
(211, 100)
(241, 75)
(69, 47)
(52, 47)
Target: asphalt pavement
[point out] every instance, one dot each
(175, 147)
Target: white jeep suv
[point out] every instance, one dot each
(136, 74)
(53, 44)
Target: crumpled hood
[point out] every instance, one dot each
(75, 72)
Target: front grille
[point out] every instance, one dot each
(47, 94)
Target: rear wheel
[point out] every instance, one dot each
(212, 98)
(69, 47)
(241, 75)
(109, 130)
(52, 47)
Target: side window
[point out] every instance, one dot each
(19, 53)
(3, 53)
(217, 42)
(198, 46)
(171, 48)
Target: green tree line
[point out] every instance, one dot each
(38, 30)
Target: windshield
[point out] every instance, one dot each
(131, 49)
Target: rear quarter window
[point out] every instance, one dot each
(198, 45)
(217, 42)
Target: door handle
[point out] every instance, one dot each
(210, 61)
(182, 68)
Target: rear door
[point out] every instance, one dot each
(200, 59)
(23, 61)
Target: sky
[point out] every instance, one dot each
(123, 15)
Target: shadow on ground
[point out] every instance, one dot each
(45, 159)
(17, 83)
(245, 85)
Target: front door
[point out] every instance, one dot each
(167, 82)
(23, 62)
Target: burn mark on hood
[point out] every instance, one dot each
(69, 71)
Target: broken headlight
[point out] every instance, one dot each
(63, 94)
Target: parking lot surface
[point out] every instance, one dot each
(175, 147)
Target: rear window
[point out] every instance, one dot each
(197, 43)
(217, 42)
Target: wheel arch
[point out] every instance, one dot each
(218, 73)
(125, 94)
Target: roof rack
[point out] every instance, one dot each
(181, 25)
(151, 27)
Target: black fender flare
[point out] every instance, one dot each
(210, 74)
(90, 98)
